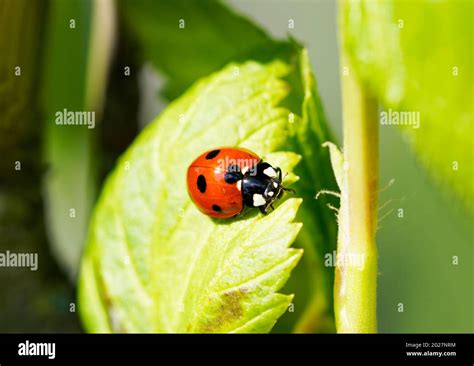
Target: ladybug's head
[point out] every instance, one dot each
(263, 189)
(273, 191)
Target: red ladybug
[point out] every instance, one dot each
(221, 182)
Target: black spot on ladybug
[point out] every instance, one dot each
(212, 154)
(201, 183)
(231, 178)
(217, 208)
(233, 174)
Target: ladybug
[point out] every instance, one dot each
(222, 182)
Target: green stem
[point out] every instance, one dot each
(355, 287)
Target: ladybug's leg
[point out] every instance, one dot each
(263, 210)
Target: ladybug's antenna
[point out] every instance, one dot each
(291, 190)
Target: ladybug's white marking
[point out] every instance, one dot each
(275, 184)
(245, 169)
(239, 185)
(270, 172)
(271, 193)
(258, 200)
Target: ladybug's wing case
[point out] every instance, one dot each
(224, 157)
(211, 194)
(207, 187)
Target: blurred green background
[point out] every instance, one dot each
(416, 251)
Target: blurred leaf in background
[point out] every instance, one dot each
(189, 39)
(79, 42)
(417, 57)
(184, 54)
(18, 78)
(30, 301)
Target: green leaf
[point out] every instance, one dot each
(69, 150)
(155, 26)
(423, 67)
(154, 263)
(185, 39)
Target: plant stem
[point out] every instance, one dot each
(355, 287)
